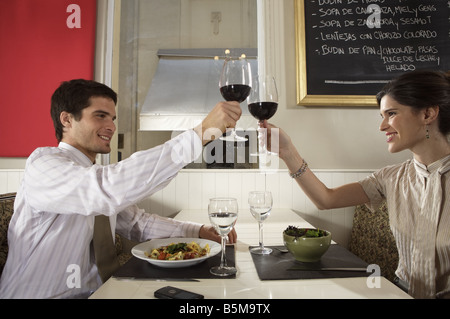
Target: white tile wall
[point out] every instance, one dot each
(10, 180)
(191, 189)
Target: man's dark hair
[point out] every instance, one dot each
(74, 96)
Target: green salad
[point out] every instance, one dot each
(307, 232)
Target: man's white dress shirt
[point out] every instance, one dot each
(50, 233)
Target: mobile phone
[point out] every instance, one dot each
(170, 292)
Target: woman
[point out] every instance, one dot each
(415, 111)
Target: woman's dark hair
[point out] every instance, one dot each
(74, 96)
(421, 89)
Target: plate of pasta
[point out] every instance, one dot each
(176, 252)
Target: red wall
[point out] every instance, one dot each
(41, 45)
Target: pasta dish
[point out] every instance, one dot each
(180, 251)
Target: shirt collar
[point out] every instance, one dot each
(81, 158)
(442, 166)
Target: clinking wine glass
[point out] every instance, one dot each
(260, 206)
(223, 213)
(235, 85)
(263, 104)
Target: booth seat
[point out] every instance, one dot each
(372, 240)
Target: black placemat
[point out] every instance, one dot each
(278, 265)
(140, 269)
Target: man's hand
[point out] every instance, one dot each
(208, 232)
(224, 115)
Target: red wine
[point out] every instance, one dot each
(263, 110)
(235, 92)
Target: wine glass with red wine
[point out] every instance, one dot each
(235, 85)
(263, 104)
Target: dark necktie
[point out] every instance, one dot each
(104, 248)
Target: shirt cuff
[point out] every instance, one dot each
(375, 197)
(192, 229)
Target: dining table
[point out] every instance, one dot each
(258, 277)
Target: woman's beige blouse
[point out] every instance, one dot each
(418, 201)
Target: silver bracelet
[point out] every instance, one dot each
(301, 170)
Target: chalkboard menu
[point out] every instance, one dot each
(353, 47)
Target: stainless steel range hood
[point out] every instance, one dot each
(185, 89)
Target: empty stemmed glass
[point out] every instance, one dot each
(235, 85)
(260, 206)
(223, 213)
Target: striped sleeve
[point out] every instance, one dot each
(374, 190)
(95, 189)
(133, 223)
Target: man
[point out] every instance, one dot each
(50, 234)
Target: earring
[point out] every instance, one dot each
(427, 135)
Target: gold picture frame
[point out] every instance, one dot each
(305, 99)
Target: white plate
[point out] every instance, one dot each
(139, 251)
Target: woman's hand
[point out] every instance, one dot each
(277, 135)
